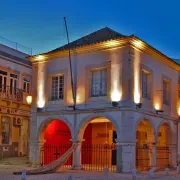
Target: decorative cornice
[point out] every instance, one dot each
(133, 41)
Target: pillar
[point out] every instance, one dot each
(125, 156)
(77, 156)
(34, 157)
(153, 162)
(173, 155)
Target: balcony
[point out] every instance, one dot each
(11, 94)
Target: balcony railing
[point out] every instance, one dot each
(11, 94)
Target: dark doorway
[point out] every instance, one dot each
(114, 151)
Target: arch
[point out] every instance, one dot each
(45, 122)
(163, 145)
(149, 119)
(85, 121)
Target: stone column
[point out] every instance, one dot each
(77, 156)
(153, 162)
(34, 158)
(125, 156)
(173, 155)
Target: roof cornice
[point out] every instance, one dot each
(133, 41)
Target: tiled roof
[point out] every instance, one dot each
(101, 35)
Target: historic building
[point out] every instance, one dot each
(15, 87)
(121, 109)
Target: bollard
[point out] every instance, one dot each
(167, 171)
(106, 173)
(178, 169)
(134, 174)
(24, 174)
(69, 177)
(151, 173)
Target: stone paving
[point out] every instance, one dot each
(7, 168)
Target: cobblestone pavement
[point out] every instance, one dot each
(8, 166)
(87, 176)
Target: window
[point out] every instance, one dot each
(26, 85)
(13, 83)
(99, 82)
(166, 92)
(146, 85)
(57, 88)
(5, 122)
(3, 81)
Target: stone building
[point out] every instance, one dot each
(126, 98)
(15, 86)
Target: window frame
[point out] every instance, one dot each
(166, 101)
(149, 71)
(91, 82)
(25, 90)
(54, 76)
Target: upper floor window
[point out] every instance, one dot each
(166, 92)
(57, 92)
(26, 85)
(146, 84)
(13, 83)
(99, 82)
(3, 80)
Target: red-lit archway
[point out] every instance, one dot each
(98, 147)
(57, 137)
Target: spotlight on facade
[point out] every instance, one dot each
(71, 107)
(39, 109)
(159, 111)
(115, 103)
(138, 105)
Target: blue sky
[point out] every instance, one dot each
(39, 23)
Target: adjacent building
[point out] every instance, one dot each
(120, 104)
(15, 86)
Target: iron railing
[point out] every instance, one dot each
(93, 157)
(143, 157)
(11, 94)
(51, 152)
(162, 156)
(15, 45)
(96, 157)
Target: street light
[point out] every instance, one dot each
(29, 100)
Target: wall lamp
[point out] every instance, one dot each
(39, 109)
(138, 105)
(159, 111)
(115, 103)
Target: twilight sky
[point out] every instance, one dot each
(39, 23)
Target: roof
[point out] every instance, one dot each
(98, 36)
(17, 59)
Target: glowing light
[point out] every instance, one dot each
(41, 85)
(115, 95)
(116, 86)
(178, 107)
(157, 106)
(40, 57)
(138, 43)
(29, 100)
(112, 43)
(137, 97)
(137, 77)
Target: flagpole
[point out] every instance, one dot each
(69, 53)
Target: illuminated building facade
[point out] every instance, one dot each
(15, 86)
(126, 95)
